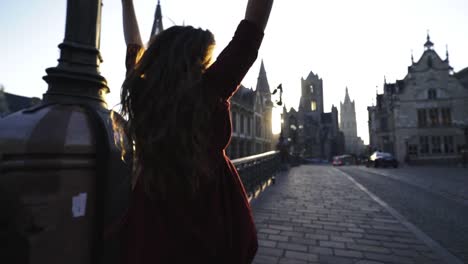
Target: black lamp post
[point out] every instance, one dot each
(282, 144)
(76, 78)
(59, 164)
(280, 101)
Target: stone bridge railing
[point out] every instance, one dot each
(258, 171)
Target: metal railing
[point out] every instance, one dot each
(258, 170)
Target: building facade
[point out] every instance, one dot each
(251, 116)
(423, 118)
(348, 125)
(310, 132)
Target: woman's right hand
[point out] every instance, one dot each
(130, 24)
(258, 12)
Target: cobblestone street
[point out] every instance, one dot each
(318, 214)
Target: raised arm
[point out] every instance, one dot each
(258, 12)
(226, 73)
(130, 24)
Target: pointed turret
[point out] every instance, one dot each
(428, 45)
(262, 81)
(157, 24)
(446, 53)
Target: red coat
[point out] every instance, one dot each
(218, 227)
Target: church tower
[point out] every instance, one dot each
(263, 91)
(262, 83)
(312, 96)
(348, 123)
(157, 24)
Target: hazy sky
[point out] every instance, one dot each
(347, 43)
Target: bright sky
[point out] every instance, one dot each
(348, 43)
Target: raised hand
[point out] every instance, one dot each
(258, 12)
(130, 24)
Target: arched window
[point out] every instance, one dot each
(432, 94)
(234, 121)
(242, 126)
(313, 106)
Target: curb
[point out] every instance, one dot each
(443, 253)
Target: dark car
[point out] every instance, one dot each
(382, 159)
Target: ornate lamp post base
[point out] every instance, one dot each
(59, 162)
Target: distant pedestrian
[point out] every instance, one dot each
(282, 147)
(188, 203)
(465, 156)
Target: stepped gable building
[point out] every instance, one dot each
(10, 103)
(348, 124)
(310, 131)
(251, 115)
(423, 118)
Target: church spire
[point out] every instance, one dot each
(262, 81)
(262, 69)
(446, 53)
(428, 45)
(412, 57)
(157, 24)
(347, 99)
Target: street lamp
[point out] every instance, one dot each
(59, 160)
(280, 89)
(283, 143)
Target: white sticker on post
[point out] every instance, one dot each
(79, 205)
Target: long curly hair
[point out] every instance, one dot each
(168, 114)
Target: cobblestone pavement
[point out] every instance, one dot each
(427, 197)
(315, 214)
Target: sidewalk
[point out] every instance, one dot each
(317, 214)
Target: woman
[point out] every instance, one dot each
(188, 203)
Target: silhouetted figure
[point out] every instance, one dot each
(282, 147)
(188, 203)
(465, 156)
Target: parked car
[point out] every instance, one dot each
(382, 159)
(343, 160)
